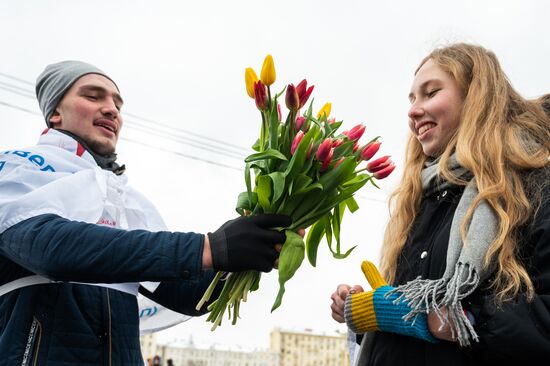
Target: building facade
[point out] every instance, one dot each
(306, 348)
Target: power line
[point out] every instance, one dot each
(30, 94)
(16, 79)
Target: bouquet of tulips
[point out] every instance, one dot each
(302, 167)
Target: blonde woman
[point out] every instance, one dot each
(465, 268)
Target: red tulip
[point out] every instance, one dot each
(383, 173)
(324, 150)
(355, 146)
(379, 164)
(338, 163)
(299, 136)
(303, 92)
(299, 122)
(368, 151)
(337, 143)
(292, 99)
(355, 133)
(260, 95)
(327, 161)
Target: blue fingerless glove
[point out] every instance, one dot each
(375, 310)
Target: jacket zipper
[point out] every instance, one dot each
(109, 329)
(33, 343)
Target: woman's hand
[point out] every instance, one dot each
(439, 329)
(338, 300)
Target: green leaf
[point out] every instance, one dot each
(339, 175)
(301, 181)
(248, 182)
(278, 179)
(267, 154)
(244, 203)
(352, 204)
(342, 256)
(263, 189)
(291, 257)
(314, 237)
(328, 230)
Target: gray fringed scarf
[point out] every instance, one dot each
(464, 270)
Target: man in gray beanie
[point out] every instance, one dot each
(78, 244)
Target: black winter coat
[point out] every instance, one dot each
(516, 331)
(69, 324)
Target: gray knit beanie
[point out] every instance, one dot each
(56, 79)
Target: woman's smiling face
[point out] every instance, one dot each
(436, 106)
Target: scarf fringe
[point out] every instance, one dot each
(425, 296)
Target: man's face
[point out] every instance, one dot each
(91, 110)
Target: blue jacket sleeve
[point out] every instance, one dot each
(66, 250)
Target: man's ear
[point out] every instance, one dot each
(55, 118)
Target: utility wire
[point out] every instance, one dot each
(16, 79)
(140, 126)
(30, 94)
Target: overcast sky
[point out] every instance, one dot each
(181, 64)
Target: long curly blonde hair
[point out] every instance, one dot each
(500, 137)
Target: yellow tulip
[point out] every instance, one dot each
(325, 111)
(267, 75)
(250, 78)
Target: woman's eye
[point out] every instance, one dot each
(433, 92)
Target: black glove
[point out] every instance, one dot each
(247, 243)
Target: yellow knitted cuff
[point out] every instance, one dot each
(359, 312)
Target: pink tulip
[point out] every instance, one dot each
(327, 161)
(299, 136)
(368, 151)
(383, 173)
(303, 92)
(299, 122)
(355, 146)
(324, 150)
(331, 120)
(379, 164)
(337, 143)
(279, 114)
(292, 99)
(260, 95)
(355, 133)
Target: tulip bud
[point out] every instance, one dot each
(368, 151)
(379, 164)
(300, 122)
(355, 133)
(338, 163)
(267, 75)
(260, 95)
(279, 114)
(337, 143)
(383, 173)
(324, 150)
(331, 120)
(355, 146)
(299, 136)
(250, 78)
(303, 92)
(291, 98)
(325, 111)
(327, 161)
